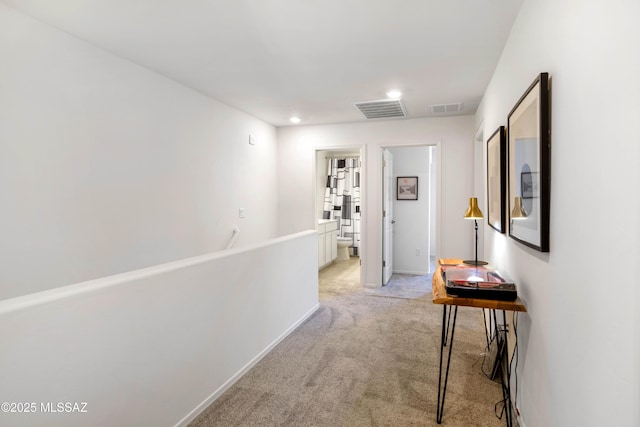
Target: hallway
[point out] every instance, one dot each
(367, 357)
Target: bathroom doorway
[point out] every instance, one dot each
(339, 191)
(410, 191)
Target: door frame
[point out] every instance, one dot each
(437, 164)
(362, 149)
(387, 215)
(479, 183)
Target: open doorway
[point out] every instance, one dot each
(339, 190)
(409, 211)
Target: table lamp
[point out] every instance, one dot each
(518, 211)
(474, 213)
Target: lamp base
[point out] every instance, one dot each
(474, 262)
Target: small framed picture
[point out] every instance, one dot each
(407, 188)
(529, 182)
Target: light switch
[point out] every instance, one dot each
(242, 212)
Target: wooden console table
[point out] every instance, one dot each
(440, 296)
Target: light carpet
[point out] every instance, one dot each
(366, 357)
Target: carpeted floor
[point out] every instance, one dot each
(367, 357)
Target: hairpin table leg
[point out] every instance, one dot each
(442, 391)
(446, 334)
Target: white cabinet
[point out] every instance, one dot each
(333, 245)
(322, 256)
(327, 242)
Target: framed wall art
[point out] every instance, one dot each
(407, 188)
(529, 159)
(497, 179)
(529, 182)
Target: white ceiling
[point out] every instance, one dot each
(310, 58)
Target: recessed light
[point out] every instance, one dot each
(394, 94)
(295, 119)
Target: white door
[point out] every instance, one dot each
(387, 215)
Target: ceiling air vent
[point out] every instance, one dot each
(382, 109)
(447, 108)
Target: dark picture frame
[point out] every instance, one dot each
(529, 183)
(529, 160)
(497, 179)
(407, 188)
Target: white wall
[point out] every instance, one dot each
(579, 341)
(106, 166)
(154, 347)
(296, 158)
(411, 228)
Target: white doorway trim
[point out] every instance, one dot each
(479, 184)
(387, 215)
(362, 149)
(437, 164)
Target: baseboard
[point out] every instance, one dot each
(519, 420)
(415, 273)
(231, 381)
(371, 285)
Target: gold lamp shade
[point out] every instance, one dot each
(518, 211)
(474, 211)
(475, 214)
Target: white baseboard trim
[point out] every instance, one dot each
(415, 273)
(519, 420)
(371, 285)
(231, 381)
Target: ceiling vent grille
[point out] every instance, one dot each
(447, 108)
(382, 109)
